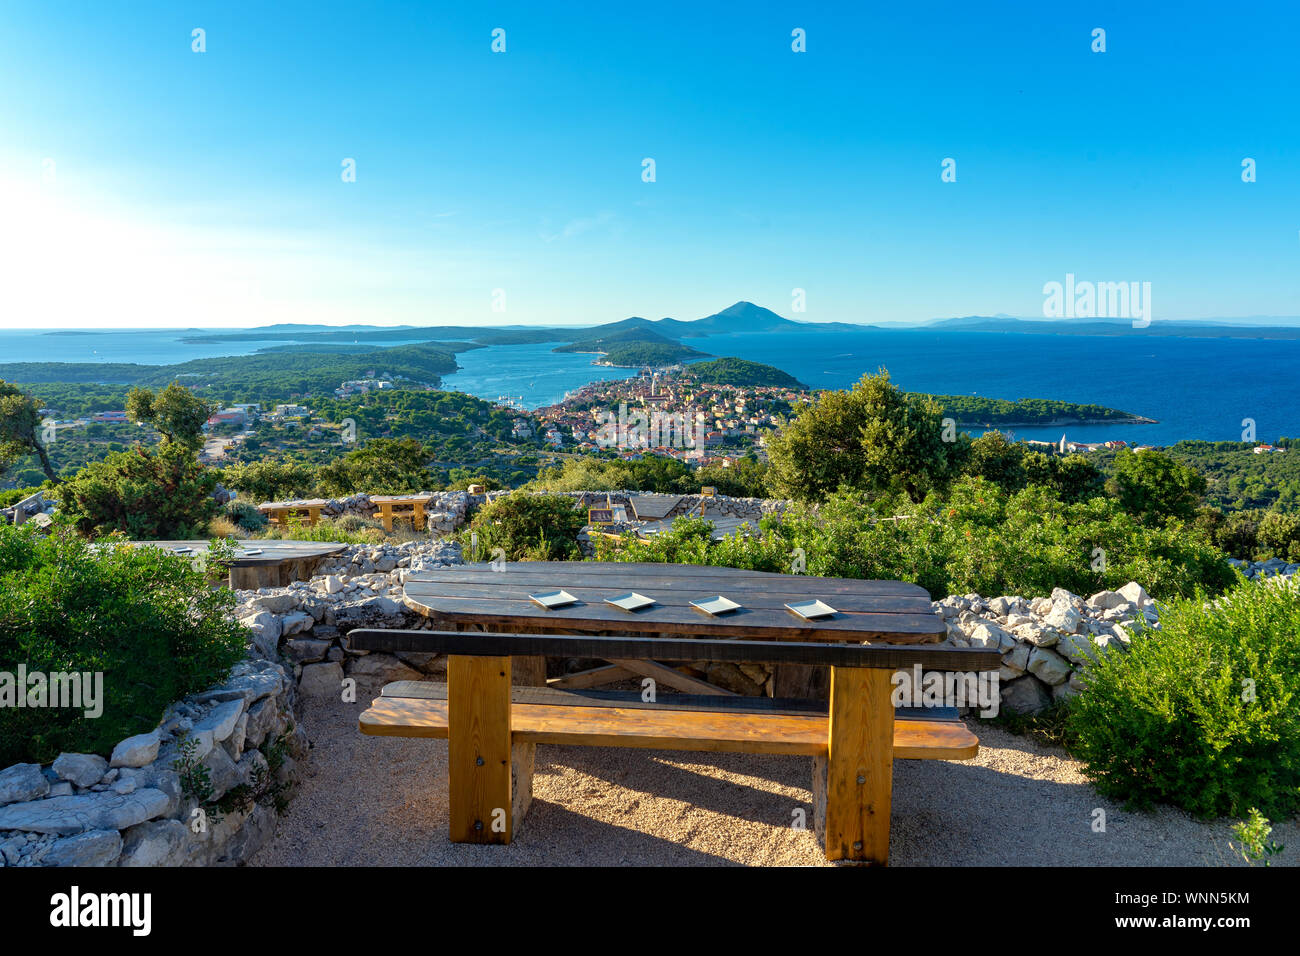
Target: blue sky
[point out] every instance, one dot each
(142, 183)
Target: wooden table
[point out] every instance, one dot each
(476, 597)
(401, 506)
(279, 512)
(276, 565)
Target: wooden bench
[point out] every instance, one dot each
(279, 513)
(493, 728)
(401, 507)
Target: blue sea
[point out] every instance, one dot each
(1194, 387)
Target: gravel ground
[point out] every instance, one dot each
(383, 801)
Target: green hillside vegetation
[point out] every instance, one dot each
(640, 354)
(266, 378)
(991, 412)
(604, 342)
(1239, 479)
(77, 399)
(734, 371)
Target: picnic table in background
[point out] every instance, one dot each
(476, 596)
(261, 564)
(279, 512)
(409, 507)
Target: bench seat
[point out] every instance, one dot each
(542, 715)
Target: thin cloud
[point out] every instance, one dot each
(577, 227)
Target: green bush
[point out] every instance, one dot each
(1280, 534)
(143, 618)
(1204, 713)
(245, 515)
(528, 527)
(977, 538)
(147, 494)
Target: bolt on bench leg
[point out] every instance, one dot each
(490, 786)
(853, 784)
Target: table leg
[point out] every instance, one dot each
(853, 784)
(479, 760)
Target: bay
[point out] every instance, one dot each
(1195, 387)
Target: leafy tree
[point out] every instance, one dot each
(1154, 486)
(874, 438)
(20, 419)
(1280, 533)
(1075, 478)
(744, 478)
(176, 412)
(270, 479)
(1000, 460)
(390, 466)
(147, 494)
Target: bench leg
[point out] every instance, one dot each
(480, 765)
(853, 784)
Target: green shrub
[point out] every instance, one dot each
(1280, 534)
(1203, 713)
(528, 527)
(147, 494)
(145, 619)
(246, 516)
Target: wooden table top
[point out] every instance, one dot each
(888, 611)
(272, 552)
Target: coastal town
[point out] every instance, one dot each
(716, 423)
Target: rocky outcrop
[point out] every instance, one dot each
(1263, 570)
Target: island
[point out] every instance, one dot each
(1026, 412)
(735, 371)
